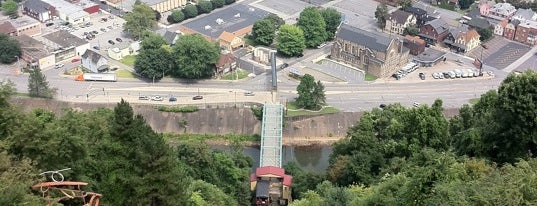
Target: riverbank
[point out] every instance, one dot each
(287, 141)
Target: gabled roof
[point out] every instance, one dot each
(169, 36)
(224, 59)
(416, 11)
(439, 25)
(6, 28)
(514, 22)
(65, 39)
(37, 6)
(503, 8)
(464, 32)
(503, 23)
(226, 36)
(374, 41)
(271, 170)
(480, 22)
(474, 13)
(399, 16)
(94, 56)
(525, 14)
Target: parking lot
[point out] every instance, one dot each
(105, 30)
(349, 74)
(500, 52)
(288, 7)
(362, 16)
(436, 73)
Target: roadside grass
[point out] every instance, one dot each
(129, 60)
(370, 77)
(233, 75)
(124, 73)
(178, 109)
(474, 101)
(320, 62)
(294, 111)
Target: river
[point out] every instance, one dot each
(309, 158)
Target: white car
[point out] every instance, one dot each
(57, 66)
(416, 104)
(249, 93)
(157, 98)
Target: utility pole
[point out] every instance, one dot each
(19, 64)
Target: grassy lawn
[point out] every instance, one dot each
(129, 60)
(370, 77)
(233, 75)
(474, 101)
(294, 111)
(124, 73)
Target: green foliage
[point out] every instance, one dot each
(412, 31)
(381, 14)
(176, 17)
(194, 57)
(178, 109)
(263, 32)
(155, 58)
(258, 113)
(312, 24)
(465, 4)
(447, 6)
(140, 20)
(205, 6)
(9, 49)
(228, 2)
(332, 19)
(310, 93)
(190, 11)
(10, 8)
(204, 193)
(38, 85)
(302, 180)
(218, 3)
(404, 4)
(290, 41)
(485, 34)
(276, 20)
(16, 177)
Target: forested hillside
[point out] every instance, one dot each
(394, 156)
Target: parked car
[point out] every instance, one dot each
(75, 60)
(95, 32)
(416, 104)
(157, 98)
(143, 98)
(249, 93)
(197, 97)
(422, 76)
(111, 42)
(172, 99)
(119, 39)
(321, 46)
(49, 24)
(96, 48)
(103, 29)
(57, 66)
(110, 27)
(382, 106)
(284, 65)
(300, 55)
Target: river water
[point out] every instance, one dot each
(309, 158)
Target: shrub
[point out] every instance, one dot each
(178, 109)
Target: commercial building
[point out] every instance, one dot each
(65, 45)
(164, 5)
(39, 10)
(69, 12)
(23, 25)
(35, 52)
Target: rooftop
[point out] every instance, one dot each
(6, 27)
(399, 16)
(23, 21)
(37, 5)
(33, 47)
(372, 40)
(152, 2)
(233, 18)
(65, 39)
(430, 55)
(63, 6)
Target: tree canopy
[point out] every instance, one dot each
(176, 16)
(155, 58)
(140, 20)
(332, 20)
(313, 25)
(38, 85)
(205, 6)
(381, 14)
(276, 20)
(195, 57)
(218, 3)
(190, 11)
(10, 8)
(263, 32)
(290, 41)
(10, 49)
(310, 93)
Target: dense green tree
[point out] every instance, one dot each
(9, 49)
(176, 16)
(381, 14)
(205, 6)
(302, 180)
(218, 3)
(155, 58)
(16, 178)
(310, 198)
(312, 24)
(290, 40)
(228, 2)
(332, 19)
(157, 15)
(38, 85)
(10, 8)
(412, 31)
(8, 116)
(485, 34)
(140, 20)
(194, 57)
(263, 32)
(465, 4)
(190, 11)
(405, 4)
(310, 93)
(276, 20)
(210, 194)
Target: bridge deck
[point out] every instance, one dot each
(271, 136)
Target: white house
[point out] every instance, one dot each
(93, 61)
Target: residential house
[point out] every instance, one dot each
(94, 61)
(36, 53)
(163, 5)
(225, 64)
(169, 36)
(485, 6)
(502, 11)
(421, 15)
(480, 23)
(434, 31)
(415, 44)
(269, 180)
(65, 44)
(510, 29)
(474, 13)
(372, 52)
(23, 25)
(39, 10)
(499, 27)
(7, 28)
(120, 50)
(229, 41)
(523, 15)
(526, 33)
(462, 39)
(397, 21)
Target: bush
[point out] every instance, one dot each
(176, 16)
(178, 109)
(228, 2)
(205, 7)
(190, 11)
(258, 113)
(218, 3)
